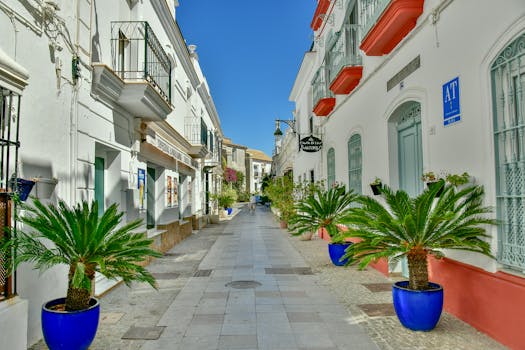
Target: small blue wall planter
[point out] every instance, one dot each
(418, 310)
(336, 251)
(68, 330)
(24, 188)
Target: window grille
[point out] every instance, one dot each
(330, 161)
(508, 83)
(355, 160)
(9, 130)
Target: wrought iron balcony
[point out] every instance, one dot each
(386, 23)
(138, 55)
(345, 68)
(139, 78)
(196, 132)
(323, 99)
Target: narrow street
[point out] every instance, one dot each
(245, 284)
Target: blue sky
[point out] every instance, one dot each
(250, 52)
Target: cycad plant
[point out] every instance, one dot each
(323, 209)
(85, 242)
(417, 227)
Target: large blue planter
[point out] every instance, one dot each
(418, 310)
(336, 251)
(69, 330)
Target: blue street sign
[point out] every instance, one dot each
(451, 106)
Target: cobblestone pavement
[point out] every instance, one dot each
(200, 313)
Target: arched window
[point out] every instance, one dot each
(330, 161)
(355, 163)
(508, 98)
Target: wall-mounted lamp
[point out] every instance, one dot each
(289, 122)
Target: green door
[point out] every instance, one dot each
(410, 156)
(410, 151)
(150, 198)
(99, 184)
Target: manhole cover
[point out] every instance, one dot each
(243, 284)
(202, 273)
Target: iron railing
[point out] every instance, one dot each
(138, 55)
(370, 12)
(344, 50)
(320, 85)
(9, 144)
(196, 131)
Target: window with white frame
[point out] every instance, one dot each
(355, 160)
(508, 96)
(330, 161)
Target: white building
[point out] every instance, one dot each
(258, 165)
(113, 107)
(403, 87)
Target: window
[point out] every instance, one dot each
(311, 124)
(508, 96)
(234, 155)
(99, 184)
(355, 160)
(312, 176)
(204, 133)
(9, 117)
(330, 161)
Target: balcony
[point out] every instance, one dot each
(323, 99)
(196, 132)
(345, 68)
(320, 12)
(139, 79)
(386, 23)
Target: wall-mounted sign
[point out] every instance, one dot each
(141, 185)
(451, 107)
(311, 144)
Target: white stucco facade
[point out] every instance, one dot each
(93, 133)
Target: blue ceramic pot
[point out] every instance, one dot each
(418, 310)
(336, 251)
(230, 211)
(69, 330)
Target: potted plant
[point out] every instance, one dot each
(325, 210)
(433, 180)
(416, 228)
(376, 186)
(458, 179)
(86, 243)
(280, 192)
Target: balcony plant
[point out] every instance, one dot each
(376, 186)
(325, 210)
(416, 228)
(87, 244)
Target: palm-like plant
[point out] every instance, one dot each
(323, 209)
(86, 243)
(418, 227)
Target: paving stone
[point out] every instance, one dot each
(144, 333)
(373, 310)
(304, 317)
(378, 287)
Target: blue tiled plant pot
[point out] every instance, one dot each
(64, 330)
(336, 251)
(418, 310)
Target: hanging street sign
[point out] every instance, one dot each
(451, 108)
(310, 144)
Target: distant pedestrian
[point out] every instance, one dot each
(253, 202)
